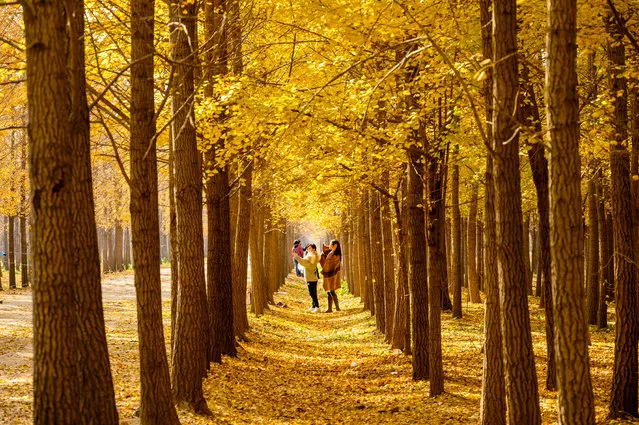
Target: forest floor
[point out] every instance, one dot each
(297, 367)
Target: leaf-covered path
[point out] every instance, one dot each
(325, 368)
(297, 367)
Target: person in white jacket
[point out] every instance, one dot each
(311, 273)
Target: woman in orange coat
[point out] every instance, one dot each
(331, 261)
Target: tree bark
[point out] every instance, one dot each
(119, 247)
(592, 280)
(219, 264)
(377, 259)
(539, 167)
(437, 266)
(156, 404)
(623, 398)
(367, 266)
(240, 258)
(521, 379)
(526, 248)
(456, 267)
(257, 270)
(24, 266)
(471, 258)
(12, 253)
(189, 360)
(56, 375)
(604, 257)
(389, 261)
(417, 265)
(401, 319)
(493, 390)
(575, 398)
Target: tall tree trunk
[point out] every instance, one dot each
(521, 379)
(156, 404)
(219, 264)
(417, 264)
(189, 360)
(119, 247)
(623, 398)
(401, 317)
(526, 248)
(471, 263)
(105, 250)
(112, 250)
(56, 372)
(175, 262)
(367, 266)
(592, 280)
(97, 397)
(437, 265)
(610, 264)
(377, 259)
(539, 167)
(604, 257)
(240, 258)
(24, 266)
(456, 267)
(575, 398)
(12, 252)
(256, 238)
(389, 262)
(493, 390)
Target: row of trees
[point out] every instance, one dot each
(366, 123)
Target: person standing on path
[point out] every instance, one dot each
(299, 251)
(311, 274)
(331, 261)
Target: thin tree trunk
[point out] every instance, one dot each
(437, 266)
(156, 404)
(417, 265)
(12, 253)
(493, 390)
(401, 320)
(456, 267)
(526, 248)
(219, 263)
(389, 262)
(119, 247)
(471, 258)
(575, 398)
(189, 360)
(604, 257)
(377, 259)
(257, 272)
(592, 281)
(240, 258)
(24, 266)
(623, 398)
(521, 379)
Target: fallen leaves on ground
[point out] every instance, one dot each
(297, 367)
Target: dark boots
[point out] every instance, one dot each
(335, 301)
(330, 304)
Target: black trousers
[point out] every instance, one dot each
(312, 291)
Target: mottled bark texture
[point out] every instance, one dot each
(623, 398)
(521, 378)
(189, 360)
(156, 404)
(417, 264)
(456, 265)
(575, 396)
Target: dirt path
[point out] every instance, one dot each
(296, 367)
